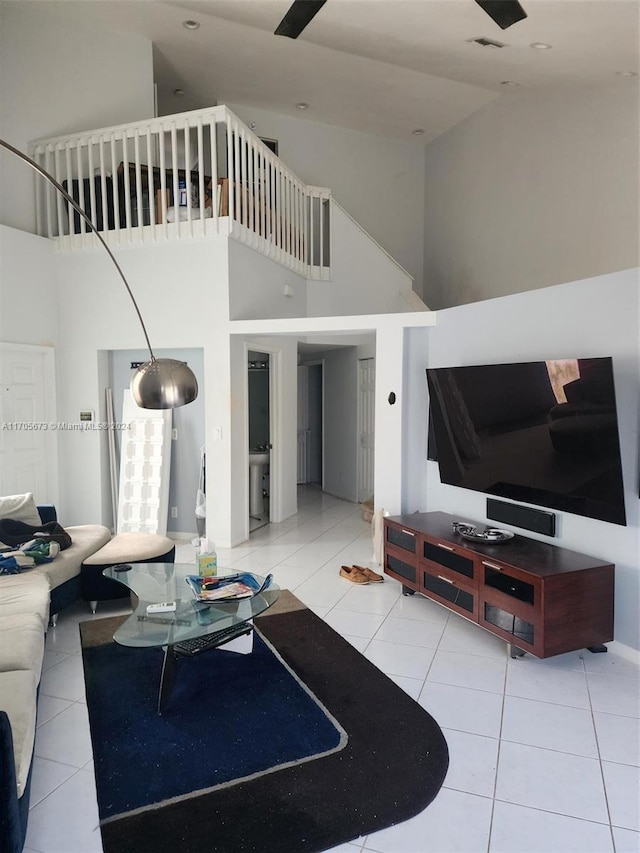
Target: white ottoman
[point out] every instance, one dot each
(123, 548)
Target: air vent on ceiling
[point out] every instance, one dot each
(485, 42)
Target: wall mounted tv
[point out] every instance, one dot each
(542, 432)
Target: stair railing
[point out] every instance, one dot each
(192, 175)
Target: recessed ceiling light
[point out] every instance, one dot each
(627, 73)
(191, 25)
(540, 45)
(302, 106)
(179, 93)
(418, 131)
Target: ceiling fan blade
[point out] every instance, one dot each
(300, 13)
(503, 12)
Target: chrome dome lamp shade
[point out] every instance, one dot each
(160, 383)
(164, 383)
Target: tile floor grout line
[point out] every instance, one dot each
(600, 761)
(500, 740)
(336, 529)
(550, 811)
(59, 785)
(53, 716)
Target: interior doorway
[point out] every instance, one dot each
(310, 423)
(316, 409)
(259, 414)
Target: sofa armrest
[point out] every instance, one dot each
(47, 513)
(12, 825)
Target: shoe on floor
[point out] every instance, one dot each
(354, 575)
(369, 574)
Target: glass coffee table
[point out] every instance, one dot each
(194, 626)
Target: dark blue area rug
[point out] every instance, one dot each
(288, 787)
(230, 716)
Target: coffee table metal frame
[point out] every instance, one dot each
(216, 623)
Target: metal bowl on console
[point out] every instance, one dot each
(492, 535)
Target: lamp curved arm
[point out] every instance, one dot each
(38, 168)
(163, 383)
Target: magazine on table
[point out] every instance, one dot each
(241, 585)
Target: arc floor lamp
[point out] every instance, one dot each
(160, 383)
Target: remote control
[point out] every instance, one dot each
(162, 607)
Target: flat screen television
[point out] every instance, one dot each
(542, 432)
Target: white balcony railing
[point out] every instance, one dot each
(192, 175)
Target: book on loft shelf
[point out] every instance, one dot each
(218, 589)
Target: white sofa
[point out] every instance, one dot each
(28, 601)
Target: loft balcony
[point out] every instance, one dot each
(199, 174)
(205, 175)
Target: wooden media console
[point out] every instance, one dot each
(540, 598)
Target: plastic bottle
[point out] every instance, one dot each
(207, 559)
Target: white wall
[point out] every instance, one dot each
(59, 76)
(390, 418)
(341, 423)
(415, 414)
(379, 181)
(28, 291)
(535, 189)
(593, 317)
(183, 296)
(258, 284)
(363, 276)
(182, 290)
(285, 362)
(29, 315)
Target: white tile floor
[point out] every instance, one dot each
(544, 754)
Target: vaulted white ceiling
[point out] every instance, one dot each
(381, 66)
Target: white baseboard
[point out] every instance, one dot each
(624, 651)
(181, 536)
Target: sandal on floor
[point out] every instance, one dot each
(354, 575)
(369, 574)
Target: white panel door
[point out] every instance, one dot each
(28, 445)
(366, 426)
(145, 461)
